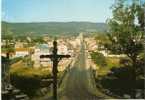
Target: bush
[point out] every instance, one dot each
(28, 85)
(120, 81)
(28, 79)
(125, 62)
(98, 58)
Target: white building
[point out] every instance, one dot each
(21, 52)
(62, 49)
(41, 49)
(45, 49)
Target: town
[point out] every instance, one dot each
(23, 49)
(72, 49)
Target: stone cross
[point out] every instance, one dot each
(55, 59)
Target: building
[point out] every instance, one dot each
(62, 49)
(19, 45)
(41, 49)
(21, 52)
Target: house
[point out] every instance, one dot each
(19, 45)
(41, 49)
(21, 52)
(62, 49)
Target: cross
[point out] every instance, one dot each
(55, 59)
(6, 65)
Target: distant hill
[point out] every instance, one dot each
(53, 28)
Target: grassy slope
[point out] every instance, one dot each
(111, 62)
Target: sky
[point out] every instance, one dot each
(56, 10)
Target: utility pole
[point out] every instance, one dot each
(55, 59)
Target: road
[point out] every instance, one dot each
(79, 83)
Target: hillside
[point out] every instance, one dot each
(53, 28)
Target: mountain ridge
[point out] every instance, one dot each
(53, 28)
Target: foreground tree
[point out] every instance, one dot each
(126, 32)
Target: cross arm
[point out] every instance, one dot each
(63, 56)
(46, 56)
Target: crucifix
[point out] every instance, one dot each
(55, 59)
(6, 65)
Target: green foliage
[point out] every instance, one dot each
(28, 79)
(28, 61)
(140, 67)
(101, 40)
(120, 82)
(38, 40)
(111, 62)
(28, 85)
(9, 46)
(126, 37)
(9, 49)
(98, 58)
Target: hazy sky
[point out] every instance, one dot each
(56, 10)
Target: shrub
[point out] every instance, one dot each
(98, 58)
(28, 85)
(120, 81)
(28, 79)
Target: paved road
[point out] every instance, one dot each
(79, 83)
